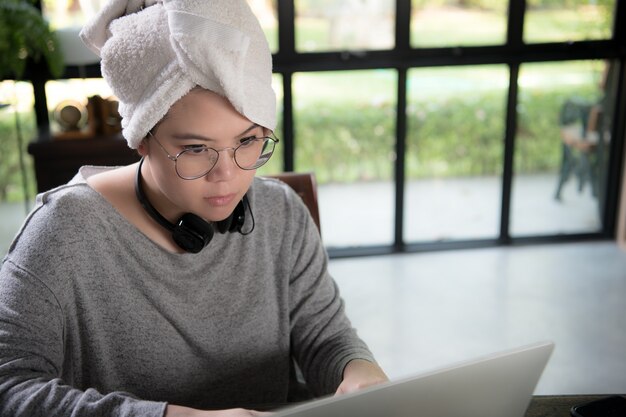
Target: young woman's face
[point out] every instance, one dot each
(201, 118)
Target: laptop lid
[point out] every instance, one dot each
(497, 385)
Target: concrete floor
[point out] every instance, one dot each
(453, 209)
(422, 311)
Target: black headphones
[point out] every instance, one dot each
(191, 232)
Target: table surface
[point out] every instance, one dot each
(557, 405)
(540, 405)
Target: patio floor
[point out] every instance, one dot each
(453, 209)
(435, 210)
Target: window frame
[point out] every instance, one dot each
(513, 53)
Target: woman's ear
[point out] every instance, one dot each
(142, 149)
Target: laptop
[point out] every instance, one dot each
(498, 385)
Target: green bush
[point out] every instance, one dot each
(345, 144)
(10, 176)
(24, 34)
(454, 137)
(462, 136)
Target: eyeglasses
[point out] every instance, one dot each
(197, 161)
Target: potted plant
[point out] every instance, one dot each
(25, 37)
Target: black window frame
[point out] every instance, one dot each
(513, 53)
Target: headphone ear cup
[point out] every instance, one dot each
(235, 221)
(225, 225)
(192, 233)
(238, 216)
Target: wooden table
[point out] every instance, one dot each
(57, 161)
(557, 405)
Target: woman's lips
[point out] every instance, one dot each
(220, 200)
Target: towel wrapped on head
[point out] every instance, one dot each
(154, 52)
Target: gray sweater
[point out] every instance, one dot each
(97, 320)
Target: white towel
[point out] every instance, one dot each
(154, 52)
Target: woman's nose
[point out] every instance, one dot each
(224, 167)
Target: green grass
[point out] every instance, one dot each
(449, 25)
(457, 27)
(582, 23)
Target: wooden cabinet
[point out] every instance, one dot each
(57, 161)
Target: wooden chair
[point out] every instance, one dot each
(305, 186)
(585, 134)
(578, 122)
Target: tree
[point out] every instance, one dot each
(25, 37)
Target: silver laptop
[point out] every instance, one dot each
(499, 385)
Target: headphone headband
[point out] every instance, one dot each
(191, 232)
(143, 199)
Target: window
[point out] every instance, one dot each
(438, 23)
(16, 109)
(70, 14)
(562, 160)
(568, 20)
(437, 123)
(266, 12)
(455, 119)
(331, 25)
(344, 133)
(75, 93)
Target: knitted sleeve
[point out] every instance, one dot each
(323, 339)
(32, 354)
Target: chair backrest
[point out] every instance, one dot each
(305, 186)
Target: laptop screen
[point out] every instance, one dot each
(497, 385)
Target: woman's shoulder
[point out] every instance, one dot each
(279, 204)
(68, 201)
(71, 196)
(79, 197)
(273, 192)
(270, 184)
(59, 214)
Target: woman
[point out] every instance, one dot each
(181, 283)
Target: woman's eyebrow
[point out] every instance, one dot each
(208, 139)
(252, 127)
(187, 136)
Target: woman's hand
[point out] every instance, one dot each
(178, 411)
(359, 374)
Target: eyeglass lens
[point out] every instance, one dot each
(251, 154)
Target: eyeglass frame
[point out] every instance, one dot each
(217, 151)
